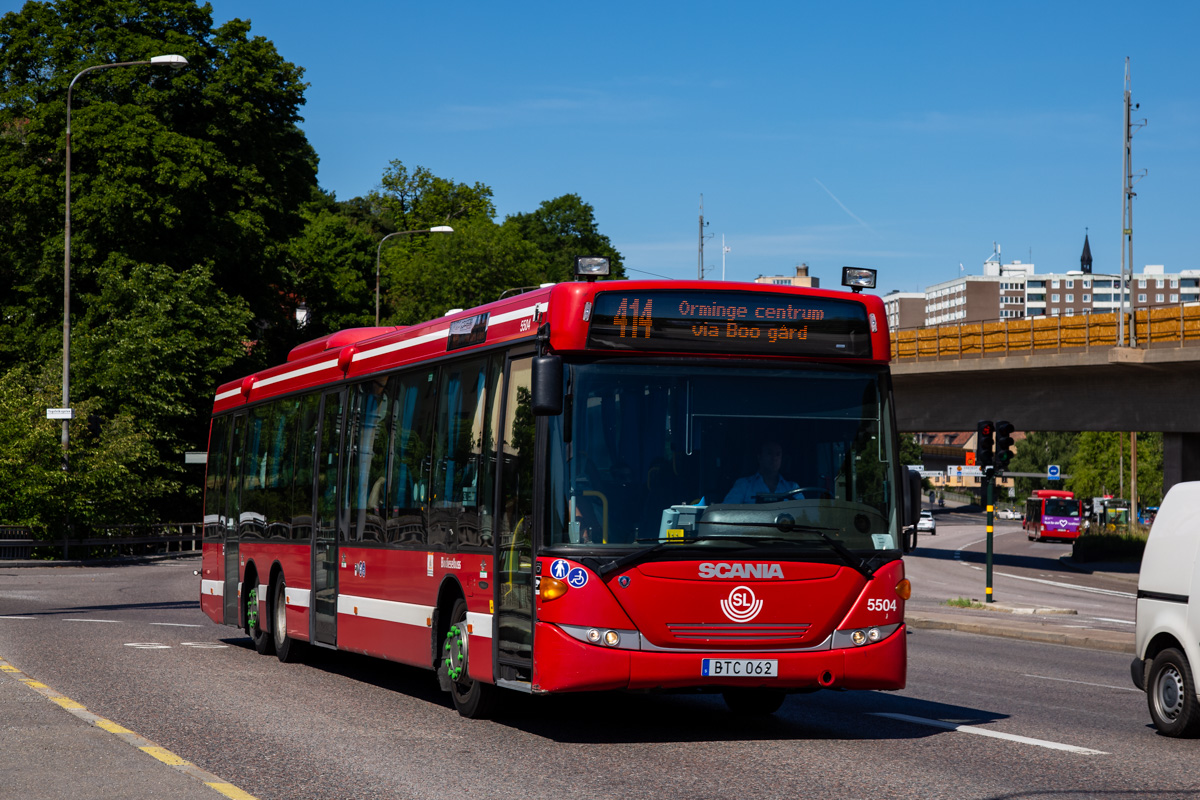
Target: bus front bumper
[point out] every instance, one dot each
(564, 664)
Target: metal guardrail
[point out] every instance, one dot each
(1167, 326)
(116, 540)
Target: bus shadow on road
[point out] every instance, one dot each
(645, 718)
(680, 718)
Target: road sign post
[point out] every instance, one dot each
(989, 484)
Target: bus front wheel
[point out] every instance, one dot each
(472, 699)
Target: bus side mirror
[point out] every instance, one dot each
(912, 496)
(547, 386)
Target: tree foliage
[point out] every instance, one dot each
(186, 189)
(197, 229)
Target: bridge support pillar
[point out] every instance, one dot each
(1181, 458)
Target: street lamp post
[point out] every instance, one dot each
(173, 61)
(379, 252)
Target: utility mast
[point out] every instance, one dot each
(1127, 194)
(703, 224)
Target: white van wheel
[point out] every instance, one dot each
(1171, 694)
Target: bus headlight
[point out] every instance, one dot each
(859, 638)
(612, 638)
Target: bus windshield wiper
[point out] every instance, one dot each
(785, 526)
(637, 556)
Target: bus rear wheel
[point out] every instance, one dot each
(753, 702)
(262, 640)
(472, 699)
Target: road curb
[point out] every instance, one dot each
(1108, 641)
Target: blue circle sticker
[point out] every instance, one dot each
(577, 577)
(560, 568)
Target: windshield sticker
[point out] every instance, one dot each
(882, 541)
(577, 577)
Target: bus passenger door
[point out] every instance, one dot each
(325, 521)
(233, 512)
(514, 544)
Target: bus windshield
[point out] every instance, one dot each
(1061, 507)
(766, 456)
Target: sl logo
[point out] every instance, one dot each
(741, 605)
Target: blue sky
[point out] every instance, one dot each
(901, 136)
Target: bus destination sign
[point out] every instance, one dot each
(728, 322)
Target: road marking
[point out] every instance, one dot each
(177, 624)
(12, 617)
(1121, 621)
(1085, 683)
(129, 737)
(1011, 737)
(166, 756)
(148, 645)
(90, 620)
(205, 645)
(1061, 585)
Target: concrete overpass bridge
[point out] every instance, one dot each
(1059, 374)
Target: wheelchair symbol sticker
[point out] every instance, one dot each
(577, 577)
(560, 568)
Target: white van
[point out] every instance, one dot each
(1167, 640)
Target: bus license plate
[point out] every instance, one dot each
(739, 668)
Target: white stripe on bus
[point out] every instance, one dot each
(479, 624)
(214, 588)
(296, 597)
(296, 373)
(384, 610)
(404, 345)
(520, 313)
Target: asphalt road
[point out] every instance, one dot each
(1025, 575)
(130, 644)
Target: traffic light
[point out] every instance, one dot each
(984, 442)
(1004, 443)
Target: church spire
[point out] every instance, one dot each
(1085, 260)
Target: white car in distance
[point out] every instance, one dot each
(926, 523)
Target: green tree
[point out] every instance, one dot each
(564, 228)
(186, 181)
(331, 266)
(1038, 450)
(419, 199)
(1101, 456)
(469, 268)
(109, 481)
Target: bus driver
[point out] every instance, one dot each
(766, 481)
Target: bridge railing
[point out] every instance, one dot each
(1167, 326)
(107, 542)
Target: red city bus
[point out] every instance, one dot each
(592, 486)
(1052, 514)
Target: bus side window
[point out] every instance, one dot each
(461, 465)
(305, 462)
(217, 479)
(367, 461)
(414, 402)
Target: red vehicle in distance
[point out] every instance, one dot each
(537, 495)
(1053, 514)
